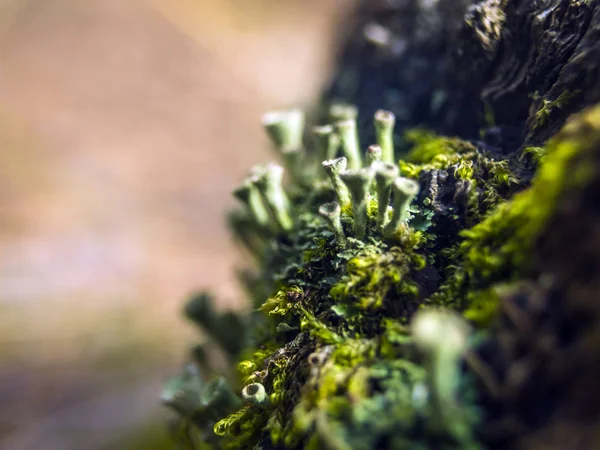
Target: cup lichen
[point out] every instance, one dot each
(362, 339)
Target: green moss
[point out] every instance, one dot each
(490, 180)
(501, 173)
(482, 306)
(500, 247)
(428, 147)
(505, 239)
(356, 401)
(282, 302)
(548, 107)
(331, 339)
(372, 275)
(464, 171)
(536, 154)
(430, 152)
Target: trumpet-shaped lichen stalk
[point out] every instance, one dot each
(384, 132)
(443, 336)
(333, 168)
(285, 128)
(248, 233)
(404, 191)
(327, 142)
(348, 133)
(268, 181)
(249, 195)
(372, 155)
(255, 394)
(332, 213)
(342, 111)
(385, 174)
(293, 160)
(358, 183)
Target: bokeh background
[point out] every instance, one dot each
(123, 127)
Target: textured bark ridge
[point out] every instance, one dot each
(528, 63)
(440, 289)
(536, 61)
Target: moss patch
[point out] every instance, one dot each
(330, 340)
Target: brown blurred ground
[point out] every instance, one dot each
(123, 127)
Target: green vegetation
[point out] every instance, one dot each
(548, 107)
(370, 281)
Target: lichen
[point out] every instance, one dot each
(346, 344)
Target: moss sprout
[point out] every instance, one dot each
(548, 107)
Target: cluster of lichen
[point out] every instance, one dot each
(352, 342)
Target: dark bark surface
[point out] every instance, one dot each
(514, 69)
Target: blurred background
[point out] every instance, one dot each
(124, 125)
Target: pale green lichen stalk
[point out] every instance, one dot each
(384, 131)
(342, 111)
(332, 212)
(443, 338)
(286, 130)
(348, 133)
(334, 168)
(404, 191)
(250, 196)
(385, 175)
(373, 155)
(327, 142)
(358, 183)
(268, 179)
